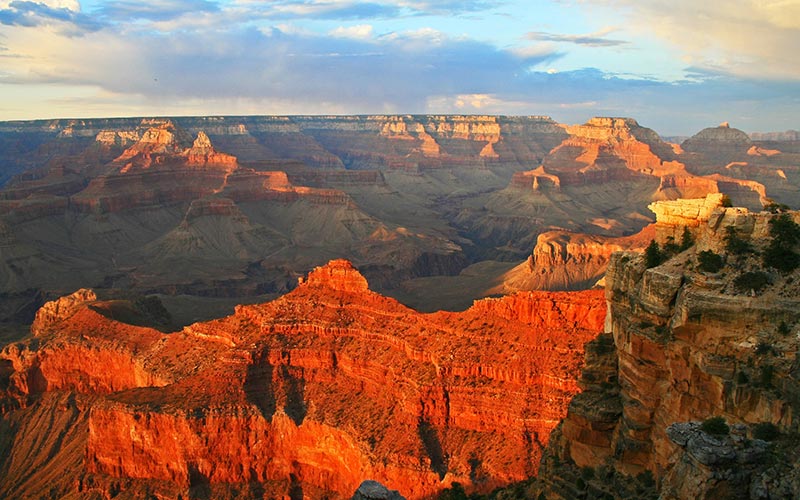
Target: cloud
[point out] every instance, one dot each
(596, 39)
(154, 10)
(32, 14)
(747, 38)
(399, 71)
(233, 58)
(362, 31)
(72, 5)
(343, 10)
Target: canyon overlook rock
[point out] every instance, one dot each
(317, 391)
(684, 342)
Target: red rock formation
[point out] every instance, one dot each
(154, 171)
(327, 386)
(569, 261)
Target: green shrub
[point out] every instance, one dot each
(710, 262)
(653, 255)
(742, 378)
(670, 247)
(780, 257)
(455, 492)
(587, 473)
(766, 431)
(783, 329)
(776, 208)
(687, 240)
(763, 348)
(734, 244)
(715, 426)
(751, 280)
(767, 376)
(779, 254)
(646, 478)
(784, 229)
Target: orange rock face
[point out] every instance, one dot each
(325, 387)
(570, 261)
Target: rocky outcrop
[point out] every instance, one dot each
(718, 143)
(154, 171)
(373, 490)
(686, 212)
(319, 390)
(568, 261)
(58, 310)
(615, 146)
(687, 345)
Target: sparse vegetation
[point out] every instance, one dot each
(776, 208)
(454, 492)
(670, 247)
(710, 262)
(767, 376)
(783, 329)
(653, 256)
(751, 280)
(742, 378)
(716, 426)
(780, 254)
(687, 240)
(734, 244)
(766, 431)
(646, 478)
(763, 348)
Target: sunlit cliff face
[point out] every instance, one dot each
(328, 385)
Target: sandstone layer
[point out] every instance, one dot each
(683, 345)
(320, 390)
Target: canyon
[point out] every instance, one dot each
(315, 392)
(225, 209)
(284, 307)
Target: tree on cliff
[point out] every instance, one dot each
(780, 254)
(653, 255)
(687, 240)
(734, 244)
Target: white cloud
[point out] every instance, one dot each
(757, 39)
(359, 31)
(72, 5)
(535, 50)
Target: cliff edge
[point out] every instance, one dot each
(693, 390)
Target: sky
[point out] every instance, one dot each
(677, 66)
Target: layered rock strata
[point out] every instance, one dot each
(683, 345)
(570, 261)
(321, 389)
